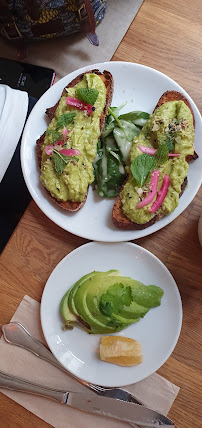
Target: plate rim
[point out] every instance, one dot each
(177, 293)
(56, 216)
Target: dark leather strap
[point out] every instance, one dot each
(87, 20)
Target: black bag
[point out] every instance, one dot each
(34, 20)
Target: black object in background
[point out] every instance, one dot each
(14, 195)
(33, 79)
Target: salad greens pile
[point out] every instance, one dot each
(114, 148)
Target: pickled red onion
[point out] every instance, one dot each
(145, 149)
(151, 151)
(153, 185)
(70, 152)
(161, 194)
(81, 105)
(65, 131)
(49, 150)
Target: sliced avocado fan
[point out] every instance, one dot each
(106, 302)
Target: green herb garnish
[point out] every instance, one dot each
(115, 298)
(61, 160)
(141, 168)
(65, 119)
(89, 95)
(55, 135)
(170, 144)
(161, 154)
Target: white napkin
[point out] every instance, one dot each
(13, 111)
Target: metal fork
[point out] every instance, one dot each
(16, 334)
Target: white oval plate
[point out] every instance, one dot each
(158, 331)
(141, 87)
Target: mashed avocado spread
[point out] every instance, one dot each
(82, 134)
(171, 123)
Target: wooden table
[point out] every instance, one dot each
(165, 35)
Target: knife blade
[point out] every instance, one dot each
(103, 406)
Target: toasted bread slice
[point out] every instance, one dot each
(118, 217)
(109, 84)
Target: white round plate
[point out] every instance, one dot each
(158, 331)
(141, 87)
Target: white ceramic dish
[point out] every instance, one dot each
(158, 331)
(141, 87)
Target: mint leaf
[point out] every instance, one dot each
(89, 95)
(55, 135)
(168, 139)
(141, 168)
(170, 145)
(64, 120)
(115, 298)
(161, 154)
(61, 160)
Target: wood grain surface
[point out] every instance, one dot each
(165, 35)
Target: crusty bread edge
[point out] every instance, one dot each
(120, 220)
(70, 205)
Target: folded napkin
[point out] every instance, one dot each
(155, 391)
(13, 111)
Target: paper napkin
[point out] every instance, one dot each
(13, 112)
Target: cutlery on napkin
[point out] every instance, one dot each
(154, 392)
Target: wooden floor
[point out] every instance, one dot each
(165, 35)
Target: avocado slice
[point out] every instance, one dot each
(67, 306)
(73, 290)
(98, 322)
(144, 298)
(68, 316)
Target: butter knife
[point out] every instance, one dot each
(103, 406)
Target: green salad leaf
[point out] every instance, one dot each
(61, 160)
(64, 120)
(137, 117)
(89, 95)
(114, 148)
(109, 172)
(115, 298)
(141, 168)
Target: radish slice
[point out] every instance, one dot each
(81, 105)
(161, 194)
(70, 152)
(153, 185)
(151, 151)
(49, 150)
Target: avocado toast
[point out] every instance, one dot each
(66, 151)
(162, 151)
